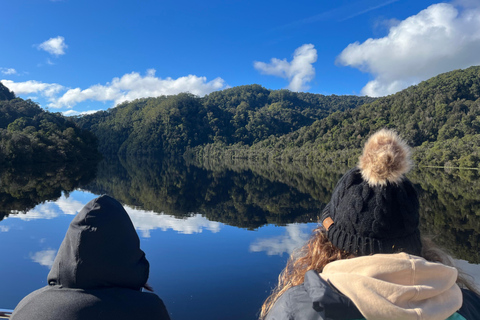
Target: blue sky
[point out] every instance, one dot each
(75, 56)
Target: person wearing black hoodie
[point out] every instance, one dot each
(98, 273)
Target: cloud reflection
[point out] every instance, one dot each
(51, 209)
(144, 221)
(47, 210)
(296, 235)
(69, 205)
(45, 257)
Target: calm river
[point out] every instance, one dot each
(216, 236)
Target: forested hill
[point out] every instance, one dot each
(29, 134)
(240, 115)
(439, 117)
(5, 93)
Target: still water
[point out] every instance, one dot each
(216, 236)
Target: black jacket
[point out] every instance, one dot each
(98, 272)
(316, 299)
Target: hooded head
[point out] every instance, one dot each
(101, 249)
(374, 207)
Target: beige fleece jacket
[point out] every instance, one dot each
(397, 286)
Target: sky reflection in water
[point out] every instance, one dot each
(197, 266)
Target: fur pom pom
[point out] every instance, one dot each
(385, 158)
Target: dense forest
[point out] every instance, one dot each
(439, 117)
(242, 115)
(29, 134)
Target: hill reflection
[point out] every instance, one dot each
(241, 194)
(243, 199)
(24, 187)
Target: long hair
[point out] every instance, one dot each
(433, 253)
(319, 251)
(314, 255)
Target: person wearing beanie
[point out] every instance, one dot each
(368, 259)
(98, 273)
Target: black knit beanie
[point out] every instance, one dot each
(374, 207)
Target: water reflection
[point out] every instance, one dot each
(146, 221)
(24, 187)
(50, 210)
(211, 231)
(44, 257)
(295, 236)
(246, 195)
(239, 194)
(143, 220)
(245, 199)
(192, 258)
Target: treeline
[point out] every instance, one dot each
(439, 117)
(170, 125)
(29, 134)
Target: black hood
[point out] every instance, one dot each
(101, 249)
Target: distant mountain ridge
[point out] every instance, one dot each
(439, 118)
(174, 124)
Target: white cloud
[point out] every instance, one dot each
(49, 90)
(146, 221)
(46, 211)
(295, 237)
(133, 86)
(4, 228)
(55, 46)
(51, 209)
(8, 71)
(69, 206)
(441, 38)
(45, 257)
(299, 71)
(129, 87)
(70, 113)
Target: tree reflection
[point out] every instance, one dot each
(450, 210)
(243, 199)
(24, 187)
(243, 194)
